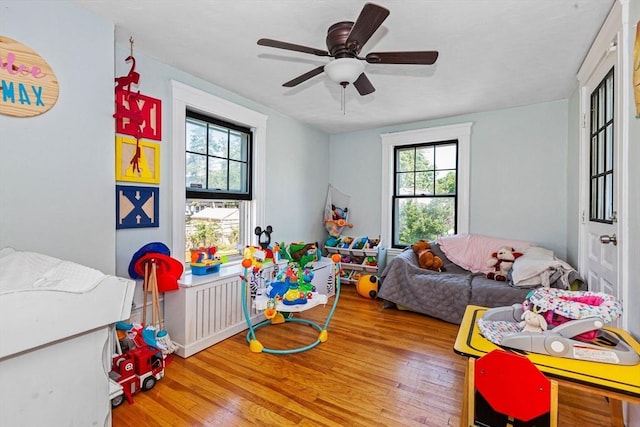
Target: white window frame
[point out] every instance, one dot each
(460, 132)
(183, 97)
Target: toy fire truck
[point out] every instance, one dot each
(137, 369)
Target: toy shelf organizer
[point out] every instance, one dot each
(274, 308)
(359, 255)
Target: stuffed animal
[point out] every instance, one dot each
(426, 258)
(533, 322)
(502, 262)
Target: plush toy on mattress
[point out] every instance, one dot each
(502, 262)
(426, 258)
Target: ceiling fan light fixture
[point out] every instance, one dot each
(344, 70)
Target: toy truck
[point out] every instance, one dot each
(137, 369)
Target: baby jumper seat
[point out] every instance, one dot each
(560, 323)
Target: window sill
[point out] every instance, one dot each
(189, 280)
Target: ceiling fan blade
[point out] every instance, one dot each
(426, 57)
(363, 85)
(304, 77)
(370, 18)
(290, 46)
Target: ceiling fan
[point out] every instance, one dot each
(344, 43)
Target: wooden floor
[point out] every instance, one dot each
(379, 367)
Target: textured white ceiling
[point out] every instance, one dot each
(493, 53)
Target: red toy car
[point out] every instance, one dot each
(137, 369)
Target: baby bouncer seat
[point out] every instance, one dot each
(560, 323)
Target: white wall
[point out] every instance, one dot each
(57, 169)
(518, 173)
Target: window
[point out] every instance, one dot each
(218, 170)
(424, 197)
(425, 183)
(218, 158)
(218, 183)
(601, 152)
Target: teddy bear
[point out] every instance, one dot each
(502, 261)
(426, 258)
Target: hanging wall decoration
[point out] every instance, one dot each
(136, 207)
(29, 87)
(139, 116)
(137, 160)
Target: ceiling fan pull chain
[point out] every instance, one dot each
(343, 99)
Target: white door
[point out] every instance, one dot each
(600, 178)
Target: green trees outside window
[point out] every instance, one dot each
(424, 192)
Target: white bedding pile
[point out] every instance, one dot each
(537, 265)
(20, 271)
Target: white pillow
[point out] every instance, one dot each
(472, 251)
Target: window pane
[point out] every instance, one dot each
(218, 141)
(195, 171)
(446, 182)
(609, 147)
(609, 100)
(213, 223)
(237, 146)
(404, 184)
(217, 174)
(594, 157)
(594, 199)
(405, 160)
(236, 175)
(423, 218)
(196, 136)
(424, 158)
(608, 206)
(424, 183)
(601, 103)
(601, 143)
(600, 197)
(446, 156)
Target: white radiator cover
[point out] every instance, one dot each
(207, 309)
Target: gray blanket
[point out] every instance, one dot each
(443, 295)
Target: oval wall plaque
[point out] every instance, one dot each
(28, 85)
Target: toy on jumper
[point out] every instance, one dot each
(285, 295)
(561, 323)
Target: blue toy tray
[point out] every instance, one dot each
(204, 269)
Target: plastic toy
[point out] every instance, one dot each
(278, 310)
(502, 326)
(205, 261)
(367, 286)
(304, 253)
(137, 369)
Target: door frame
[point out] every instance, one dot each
(610, 38)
